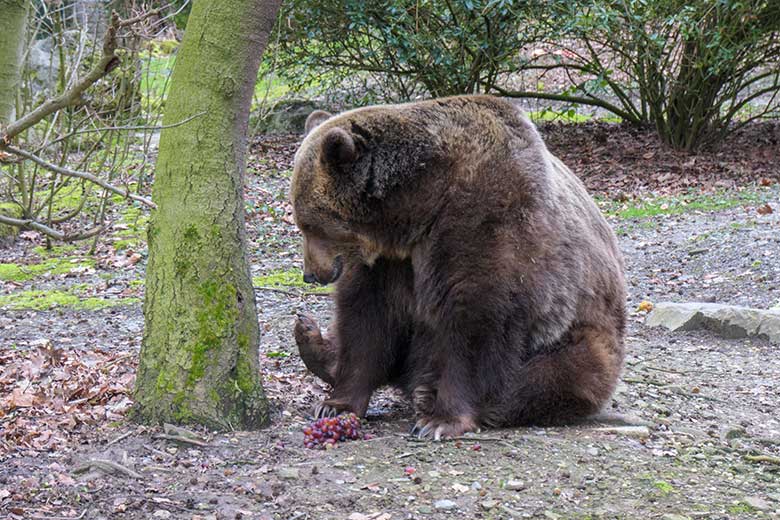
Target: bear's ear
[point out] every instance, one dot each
(338, 148)
(315, 119)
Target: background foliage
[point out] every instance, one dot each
(691, 69)
(405, 48)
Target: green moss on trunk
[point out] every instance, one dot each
(199, 359)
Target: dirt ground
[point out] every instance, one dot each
(694, 431)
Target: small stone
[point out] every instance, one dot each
(487, 505)
(515, 485)
(735, 432)
(288, 473)
(593, 452)
(675, 516)
(476, 486)
(425, 510)
(161, 513)
(357, 516)
(757, 503)
(445, 505)
(460, 488)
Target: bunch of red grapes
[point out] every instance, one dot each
(326, 432)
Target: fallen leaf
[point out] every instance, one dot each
(645, 306)
(766, 209)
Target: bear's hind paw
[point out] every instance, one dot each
(443, 428)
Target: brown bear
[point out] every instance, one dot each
(472, 269)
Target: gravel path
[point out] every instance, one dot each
(702, 439)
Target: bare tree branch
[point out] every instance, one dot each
(107, 62)
(80, 175)
(570, 99)
(53, 233)
(122, 128)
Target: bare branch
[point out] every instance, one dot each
(107, 466)
(80, 175)
(51, 232)
(107, 62)
(122, 128)
(570, 99)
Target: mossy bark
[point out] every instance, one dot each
(199, 358)
(13, 210)
(13, 21)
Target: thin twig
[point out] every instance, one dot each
(143, 16)
(181, 439)
(293, 293)
(643, 381)
(38, 517)
(80, 175)
(120, 438)
(107, 466)
(768, 459)
(157, 452)
(117, 360)
(122, 128)
(511, 512)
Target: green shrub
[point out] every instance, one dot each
(400, 49)
(696, 70)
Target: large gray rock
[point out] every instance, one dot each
(287, 116)
(44, 63)
(728, 321)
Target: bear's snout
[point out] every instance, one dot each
(313, 277)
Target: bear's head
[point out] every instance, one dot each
(344, 186)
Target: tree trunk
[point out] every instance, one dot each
(13, 22)
(199, 358)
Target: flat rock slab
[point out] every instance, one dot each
(727, 321)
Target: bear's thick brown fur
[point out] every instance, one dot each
(472, 269)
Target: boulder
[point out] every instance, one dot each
(728, 321)
(286, 117)
(44, 63)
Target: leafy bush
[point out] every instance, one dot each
(691, 68)
(399, 49)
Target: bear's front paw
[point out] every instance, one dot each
(307, 332)
(316, 352)
(438, 428)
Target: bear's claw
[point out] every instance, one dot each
(329, 410)
(440, 429)
(323, 410)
